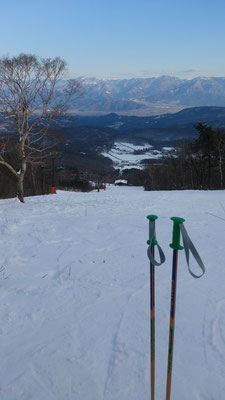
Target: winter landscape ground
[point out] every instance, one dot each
(74, 296)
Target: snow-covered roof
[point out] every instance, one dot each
(121, 181)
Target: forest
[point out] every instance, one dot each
(196, 164)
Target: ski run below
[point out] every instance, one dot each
(128, 155)
(74, 296)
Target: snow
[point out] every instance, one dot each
(124, 181)
(125, 166)
(116, 125)
(74, 296)
(131, 147)
(168, 148)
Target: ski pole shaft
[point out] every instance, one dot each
(172, 324)
(152, 244)
(152, 326)
(175, 245)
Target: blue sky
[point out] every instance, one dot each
(120, 38)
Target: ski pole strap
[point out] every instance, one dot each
(153, 242)
(189, 247)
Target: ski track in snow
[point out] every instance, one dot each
(214, 334)
(74, 297)
(117, 347)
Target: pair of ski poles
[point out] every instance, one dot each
(178, 229)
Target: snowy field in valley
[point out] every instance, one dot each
(74, 297)
(124, 157)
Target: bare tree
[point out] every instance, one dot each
(33, 94)
(219, 143)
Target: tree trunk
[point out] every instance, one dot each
(21, 177)
(209, 173)
(220, 171)
(33, 181)
(20, 188)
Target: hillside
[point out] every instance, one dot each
(85, 139)
(159, 131)
(210, 115)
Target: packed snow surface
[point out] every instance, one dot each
(74, 297)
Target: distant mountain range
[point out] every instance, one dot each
(151, 96)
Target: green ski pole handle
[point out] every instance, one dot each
(153, 242)
(152, 219)
(175, 245)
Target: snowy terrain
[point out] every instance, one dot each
(124, 157)
(74, 297)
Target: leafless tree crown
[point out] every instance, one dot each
(33, 92)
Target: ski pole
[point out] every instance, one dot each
(175, 245)
(178, 228)
(152, 306)
(152, 242)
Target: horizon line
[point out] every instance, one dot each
(98, 77)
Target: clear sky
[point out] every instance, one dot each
(119, 38)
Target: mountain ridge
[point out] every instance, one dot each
(149, 96)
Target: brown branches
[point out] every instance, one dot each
(32, 94)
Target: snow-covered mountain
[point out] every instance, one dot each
(149, 96)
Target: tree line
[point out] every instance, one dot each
(197, 164)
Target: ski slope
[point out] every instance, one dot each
(124, 155)
(74, 296)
